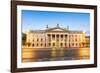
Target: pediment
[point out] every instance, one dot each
(57, 29)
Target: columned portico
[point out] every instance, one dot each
(58, 40)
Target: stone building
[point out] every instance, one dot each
(56, 37)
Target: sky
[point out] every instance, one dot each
(38, 20)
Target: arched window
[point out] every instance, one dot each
(76, 44)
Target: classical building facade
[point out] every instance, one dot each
(56, 37)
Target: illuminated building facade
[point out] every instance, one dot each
(56, 37)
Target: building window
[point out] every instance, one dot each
(69, 45)
(65, 44)
(49, 36)
(53, 36)
(41, 44)
(75, 39)
(53, 44)
(37, 44)
(33, 45)
(41, 39)
(65, 36)
(49, 44)
(72, 44)
(28, 44)
(61, 36)
(45, 44)
(61, 44)
(57, 36)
